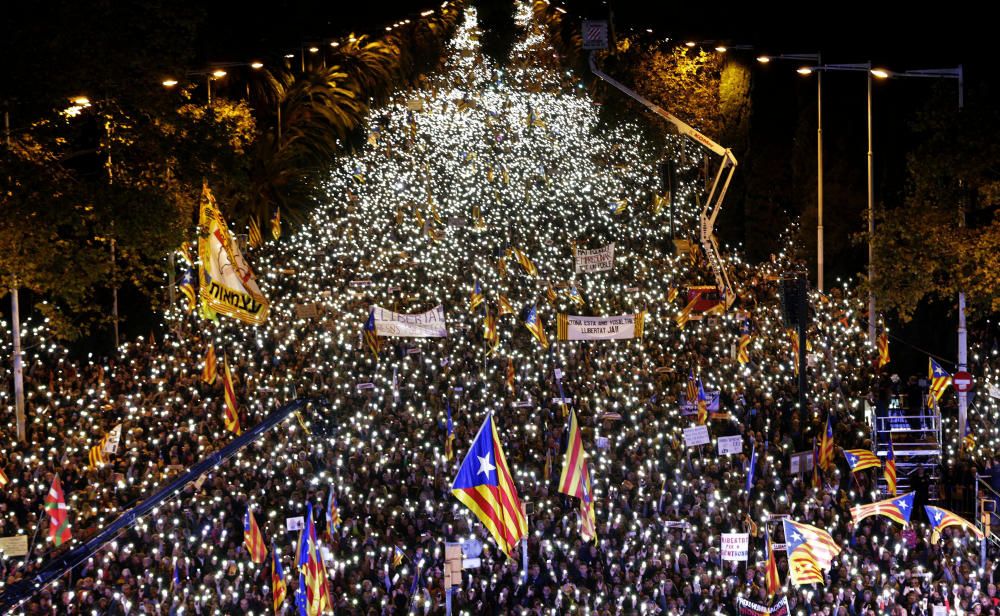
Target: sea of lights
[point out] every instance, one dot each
(479, 160)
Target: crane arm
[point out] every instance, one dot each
(713, 204)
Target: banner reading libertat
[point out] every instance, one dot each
(571, 327)
(596, 260)
(430, 324)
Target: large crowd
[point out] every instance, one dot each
(521, 157)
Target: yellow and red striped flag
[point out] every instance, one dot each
(942, 519)
(278, 586)
(208, 371)
(940, 380)
(771, 576)
(574, 470)
(232, 416)
(882, 342)
(890, 470)
(253, 541)
(897, 509)
(826, 446)
(861, 459)
(809, 550)
(484, 485)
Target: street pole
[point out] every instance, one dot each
(171, 297)
(208, 84)
(963, 342)
(15, 320)
(819, 179)
(871, 220)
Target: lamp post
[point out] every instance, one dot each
(880, 74)
(816, 58)
(15, 322)
(958, 74)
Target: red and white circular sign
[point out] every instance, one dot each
(962, 381)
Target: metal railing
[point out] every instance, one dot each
(16, 594)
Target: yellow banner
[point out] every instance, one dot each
(227, 284)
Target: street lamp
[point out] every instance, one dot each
(958, 74)
(880, 74)
(812, 57)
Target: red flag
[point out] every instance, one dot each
(253, 541)
(55, 506)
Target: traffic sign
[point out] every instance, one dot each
(962, 381)
(595, 34)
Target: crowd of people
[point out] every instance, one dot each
(515, 156)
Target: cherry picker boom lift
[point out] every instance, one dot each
(713, 203)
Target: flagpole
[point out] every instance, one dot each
(15, 320)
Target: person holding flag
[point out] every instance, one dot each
(484, 485)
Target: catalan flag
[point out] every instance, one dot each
(534, 324)
(397, 556)
(817, 482)
(685, 314)
(702, 417)
(232, 415)
(253, 541)
(939, 379)
(187, 288)
(897, 509)
(3, 478)
(743, 345)
(476, 297)
(511, 375)
(371, 335)
(889, 472)
(491, 335)
(969, 440)
(861, 459)
(618, 207)
(771, 576)
(276, 224)
(529, 267)
(484, 485)
(313, 596)
(504, 306)
(278, 586)
(810, 550)
(826, 446)
(208, 371)
(574, 295)
(254, 238)
(942, 518)
(574, 470)
(449, 439)
(333, 520)
(97, 457)
(55, 507)
(691, 392)
(882, 342)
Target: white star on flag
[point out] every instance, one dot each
(484, 464)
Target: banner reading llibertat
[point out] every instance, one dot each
(430, 324)
(624, 327)
(227, 284)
